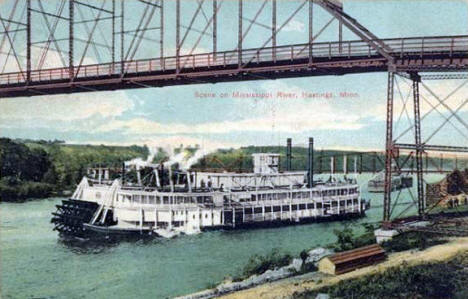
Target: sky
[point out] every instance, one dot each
(344, 112)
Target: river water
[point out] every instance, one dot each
(34, 263)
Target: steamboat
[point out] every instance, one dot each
(399, 182)
(193, 201)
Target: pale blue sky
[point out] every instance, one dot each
(174, 115)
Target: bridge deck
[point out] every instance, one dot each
(440, 53)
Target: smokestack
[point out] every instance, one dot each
(170, 179)
(137, 168)
(161, 175)
(355, 165)
(156, 176)
(332, 165)
(345, 164)
(310, 176)
(189, 182)
(288, 154)
(123, 173)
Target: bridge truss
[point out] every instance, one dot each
(65, 46)
(374, 162)
(419, 147)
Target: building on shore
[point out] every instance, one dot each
(350, 260)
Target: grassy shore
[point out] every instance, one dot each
(442, 279)
(436, 258)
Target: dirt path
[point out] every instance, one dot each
(285, 288)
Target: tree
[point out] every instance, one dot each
(38, 163)
(18, 160)
(51, 177)
(345, 239)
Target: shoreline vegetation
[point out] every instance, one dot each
(38, 169)
(443, 279)
(277, 266)
(439, 271)
(33, 169)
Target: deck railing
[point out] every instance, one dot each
(400, 47)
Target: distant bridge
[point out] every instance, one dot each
(374, 162)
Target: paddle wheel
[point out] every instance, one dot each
(71, 215)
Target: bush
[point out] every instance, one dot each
(34, 190)
(411, 240)
(346, 240)
(25, 190)
(308, 267)
(260, 264)
(7, 193)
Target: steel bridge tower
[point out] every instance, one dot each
(419, 147)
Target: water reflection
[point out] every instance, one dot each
(102, 244)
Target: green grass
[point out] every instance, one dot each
(432, 280)
(412, 240)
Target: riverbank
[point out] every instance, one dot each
(39, 169)
(306, 284)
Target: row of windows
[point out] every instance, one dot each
(285, 208)
(175, 213)
(299, 195)
(152, 199)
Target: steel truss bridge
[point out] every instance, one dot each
(374, 162)
(329, 58)
(110, 45)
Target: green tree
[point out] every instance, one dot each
(51, 177)
(344, 239)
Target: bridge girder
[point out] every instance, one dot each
(369, 54)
